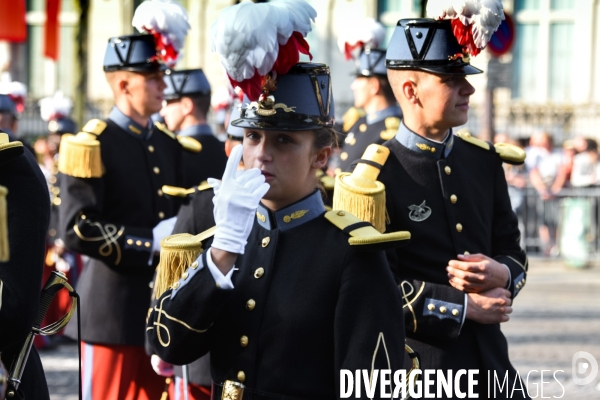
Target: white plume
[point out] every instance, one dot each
(367, 31)
(247, 35)
(58, 104)
(14, 89)
(485, 16)
(165, 17)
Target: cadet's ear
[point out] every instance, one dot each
(322, 157)
(187, 105)
(409, 89)
(374, 86)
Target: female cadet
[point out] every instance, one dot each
(282, 298)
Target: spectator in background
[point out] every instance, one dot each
(586, 168)
(516, 177)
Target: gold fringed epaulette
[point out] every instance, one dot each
(391, 128)
(360, 193)
(163, 128)
(364, 234)
(95, 126)
(507, 152)
(178, 253)
(4, 244)
(79, 155)
(175, 191)
(350, 117)
(190, 144)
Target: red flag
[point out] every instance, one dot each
(51, 29)
(13, 27)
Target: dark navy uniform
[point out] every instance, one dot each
(110, 219)
(209, 162)
(294, 318)
(28, 204)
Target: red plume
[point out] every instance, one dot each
(464, 35)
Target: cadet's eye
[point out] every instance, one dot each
(252, 136)
(284, 139)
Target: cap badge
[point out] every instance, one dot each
(466, 58)
(419, 213)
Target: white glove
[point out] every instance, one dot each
(161, 367)
(236, 199)
(159, 232)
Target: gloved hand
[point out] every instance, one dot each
(161, 367)
(236, 199)
(160, 231)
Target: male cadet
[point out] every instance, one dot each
(8, 116)
(465, 265)
(373, 94)
(114, 211)
(187, 99)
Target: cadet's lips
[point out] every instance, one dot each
(267, 175)
(464, 105)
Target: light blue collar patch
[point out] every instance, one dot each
(200, 129)
(291, 216)
(419, 144)
(129, 125)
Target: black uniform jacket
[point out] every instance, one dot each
(305, 304)
(376, 128)
(28, 206)
(110, 219)
(453, 198)
(209, 162)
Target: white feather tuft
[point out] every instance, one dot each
(56, 106)
(247, 36)
(366, 31)
(14, 89)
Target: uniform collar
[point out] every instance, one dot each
(200, 129)
(419, 144)
(129, 125)
(291, 216)
(391, 111)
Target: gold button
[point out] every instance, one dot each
(259, 272)
(176, 285)
(161, 215)
(341, 213)
(431, 307)
(455, 312)
(138, 242)
(244, 341)
(160, 192)
(194, 265)
(57, 201)
(453, 199)
(241, 376)
(467, 253)
(362, 127)
(52, 232)
(448, 170)
(151, 149)
(130, 241)
(148, 244)
(459, 227)
(185, 275)
(433, 149)
(250, 304)
(443, 309)
(344, 156)
(83, 217)
(266, 241)
(156, 170)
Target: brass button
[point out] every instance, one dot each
(250, 304)
(433, 149)
(467, 253)
(185, 275)
(160, 192)
(244, 341)
(443, 309)
(241, 376)
(156, 170)
(161, 215)
(341, 213)
(57, 201)
(455, 312)
(431, 307)
(138, 242)
(266, 241)
(130, 241)
(194, 265)
(151, 149)
(148, 244)
(453, 199)
(459, 227)
(259, 272)
(344, 156)
(362, 127)
(448, 170)
(176, 285)
(52, 232)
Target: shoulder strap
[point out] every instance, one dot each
(95, 126)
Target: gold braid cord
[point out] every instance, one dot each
(110, 235)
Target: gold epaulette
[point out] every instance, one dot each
(178, 253)
(95, 126)
(190, 144)
(391, 128)
(175, 191)
(360, 193)
(163, 128)
(363, 234)
(351, 116)
(507, 152)
(79, 155)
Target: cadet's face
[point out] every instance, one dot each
(360, 88)
(286, 159)
(146, 91)
(172, 112)
(445, 99)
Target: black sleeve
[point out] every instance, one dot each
(197, 215)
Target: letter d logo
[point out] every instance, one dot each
(580, 367)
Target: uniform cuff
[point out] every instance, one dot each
(223, 281)
(509, 277)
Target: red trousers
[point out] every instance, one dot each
(195, 392)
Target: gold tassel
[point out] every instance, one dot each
(360, 193)
(4, 245)
(178, 252)
(165, 393)
(79, 156)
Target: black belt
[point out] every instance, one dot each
(237, 391)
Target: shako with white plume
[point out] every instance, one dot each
(55, 110)
(362, 40)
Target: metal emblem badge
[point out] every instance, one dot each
(419, 213)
